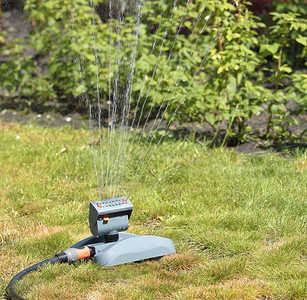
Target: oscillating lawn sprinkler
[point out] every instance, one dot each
(112, 247)
(109, 246)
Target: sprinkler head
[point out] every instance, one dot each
(108, 217)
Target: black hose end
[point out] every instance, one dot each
(62, 257)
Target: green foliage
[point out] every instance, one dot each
(21, 75)
(166, 71)
(294, 6)
(184, 60)
(233, 67)
(64, 34)
(288, 27)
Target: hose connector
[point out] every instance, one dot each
(75, 254)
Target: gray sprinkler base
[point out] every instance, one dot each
(129, 248)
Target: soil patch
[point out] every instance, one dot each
(200, 132)
(50, 119)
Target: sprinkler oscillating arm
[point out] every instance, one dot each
(108, 217)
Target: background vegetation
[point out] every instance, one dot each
(212, 61)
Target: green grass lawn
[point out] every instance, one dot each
(238, 221)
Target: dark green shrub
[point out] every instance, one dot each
(155, 60)
(288, 28)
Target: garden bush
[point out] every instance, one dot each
(174, 60)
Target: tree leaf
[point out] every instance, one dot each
(302, 40)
